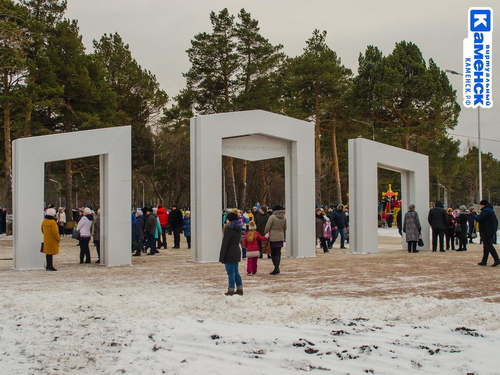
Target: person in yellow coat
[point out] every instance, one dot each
(51, 237)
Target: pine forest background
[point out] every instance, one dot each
(50, 84)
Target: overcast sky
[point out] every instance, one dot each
(159, 32)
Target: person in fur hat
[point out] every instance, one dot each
(51, 238)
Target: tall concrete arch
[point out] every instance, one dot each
(251, 135)
(365, 157)
(113, 145)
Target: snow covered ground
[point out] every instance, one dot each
(86, 319)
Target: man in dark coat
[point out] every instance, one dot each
(438, 220)
(260, 219)
(488, 226)
(150, 229)
(176, 222)
(339, 222)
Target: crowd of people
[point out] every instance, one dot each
(150, 226)
(254, 233)
(457, 227)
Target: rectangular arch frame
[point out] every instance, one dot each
(365, 157)
(113, 145)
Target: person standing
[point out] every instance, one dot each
(61, 221)
(176, 222)
(488, 226)
(163, 217)
(472, 222)
(51, 238)
(320, 223)
(150, 229)
(261, 220)
(85, 228)
(339, 221)
(230, 254)
(276, 227)
(97, 235)
(462, 224)
(138, 233)
(251, 242)
(450, 229)
(438, 221)
(186, 228)
(412, 228)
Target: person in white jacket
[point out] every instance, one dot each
(84, 227)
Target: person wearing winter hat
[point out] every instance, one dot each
(461, 228)
(186, 228)
(163, 217)
(138, 233)
(51, 238)
(252, 242)
(230, 254)
(438, 219)
(84, 227)
(488, 226)
(276, 227)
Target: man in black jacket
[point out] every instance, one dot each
(150, 229)
(438, 220)
(176, 222)
(488, 226)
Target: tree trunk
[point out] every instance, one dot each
(27, 118)
(230, 183)
(317, 145)
(69, 189)
(7, 107)
(336, 169)
(243, 184)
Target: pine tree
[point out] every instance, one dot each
(317, 83)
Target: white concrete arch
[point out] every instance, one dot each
(251, 135)
(365, 157)
(113, 145)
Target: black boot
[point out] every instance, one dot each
(276, 262)
(50, 266)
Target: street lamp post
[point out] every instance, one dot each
(367, 123)
(480, 176)
(445, 194)
(59, 189)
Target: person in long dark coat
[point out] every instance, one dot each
(412, 228)
(230, 254)
(438, 220)
(462, 223)
(488, 226)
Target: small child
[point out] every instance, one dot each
(252, 244)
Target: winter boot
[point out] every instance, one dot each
(239, 291)
(231, 292)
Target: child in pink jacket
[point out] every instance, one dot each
(252, 244)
